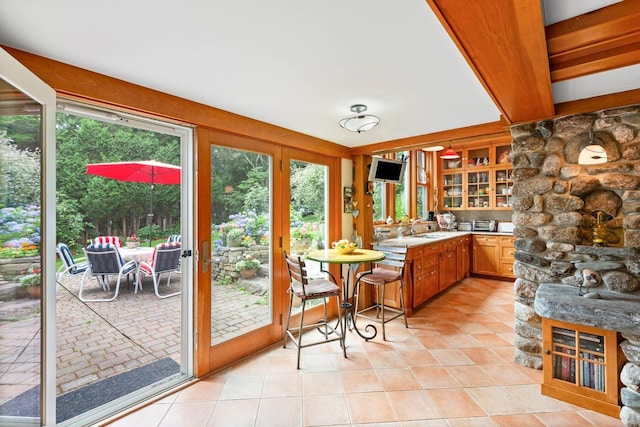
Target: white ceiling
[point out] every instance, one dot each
(295, 64)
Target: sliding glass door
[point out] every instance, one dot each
(27, 247)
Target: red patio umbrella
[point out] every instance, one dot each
(145, 171)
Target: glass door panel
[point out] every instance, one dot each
(115, 352)
(20, 255)
(478, 189)
(308, 185)
(452, 190)
(241, 243)
(27, 130)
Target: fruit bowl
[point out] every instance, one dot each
(345, 251)
(344, 247)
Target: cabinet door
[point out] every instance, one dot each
(447, 268)
(486, 255)
(478, 188)
(462, 259)
(429, 279)
(507, 252)
(581, 366)
(452, 190)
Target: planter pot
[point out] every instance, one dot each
(234, 243)
(248, 274)
(28, 292)
(301, 245)
(133, 244)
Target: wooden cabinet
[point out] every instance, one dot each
(425, 272)
(493, 255)
(480, 179)
(433, 268)
(448, 265)
(486, 254)
(581, 365)
(462, 258)
(507, 252)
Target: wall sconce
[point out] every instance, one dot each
(592, 153)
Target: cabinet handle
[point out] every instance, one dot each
(547, 352)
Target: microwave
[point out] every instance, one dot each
(485, 225)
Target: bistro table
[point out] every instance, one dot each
(352, 260)
(139, 254)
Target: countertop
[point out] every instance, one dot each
(434, 237)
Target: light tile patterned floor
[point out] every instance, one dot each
(452, 367)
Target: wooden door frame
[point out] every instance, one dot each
(210, 359)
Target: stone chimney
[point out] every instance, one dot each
(554, 213)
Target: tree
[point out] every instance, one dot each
(19, 180)
(308, 184)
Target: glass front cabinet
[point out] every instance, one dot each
(480, 179)
(581, 365)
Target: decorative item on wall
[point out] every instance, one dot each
(600, 230)
(348, 199)
(590, 279)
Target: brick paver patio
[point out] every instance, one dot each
(97, 340)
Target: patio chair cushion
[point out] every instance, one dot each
(174, 238)
(108, 239)
(70, 264)
(165, 263)
(102, 265)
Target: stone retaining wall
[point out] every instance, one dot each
(555, 199)
(223, 262)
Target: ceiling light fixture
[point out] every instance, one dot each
(434, 148)
(450, 153)
(359, 122)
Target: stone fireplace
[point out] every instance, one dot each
(554, 213)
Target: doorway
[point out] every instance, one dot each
(249, 184)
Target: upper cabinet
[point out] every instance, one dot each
(480, 179)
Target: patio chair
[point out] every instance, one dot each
(108, 239)
(307, 290)
(69, 264)
(105, 261)
(166, 259)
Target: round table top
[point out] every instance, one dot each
(141, 253)
(332, 256)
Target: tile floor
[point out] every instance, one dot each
(452, 367)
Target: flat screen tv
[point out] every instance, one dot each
(387, 170)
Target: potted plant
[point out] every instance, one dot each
(132, 241)
(30, 284)
(234, 236)
(303, 236)
(247, 266)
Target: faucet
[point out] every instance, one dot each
(413, 223)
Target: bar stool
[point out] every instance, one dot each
(307, 290)
(379, 277)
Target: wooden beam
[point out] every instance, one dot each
(505, 44)
(598, 41)
(481, 133)
(597, 103)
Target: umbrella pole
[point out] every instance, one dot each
(150, 215)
